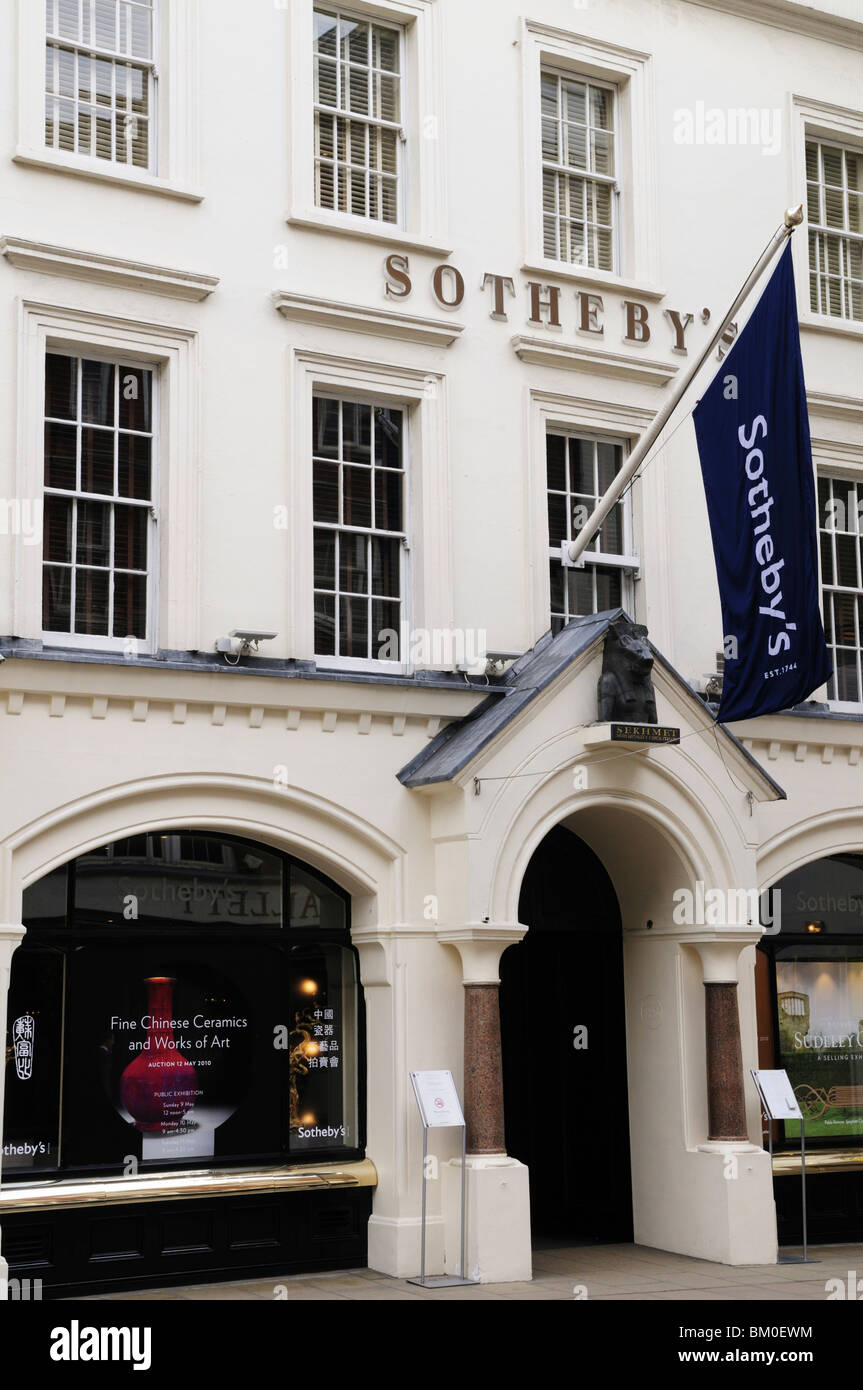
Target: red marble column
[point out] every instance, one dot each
(726, 1107)
(483, 1075)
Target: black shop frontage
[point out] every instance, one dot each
(184, 1070)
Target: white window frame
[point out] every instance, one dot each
(174, 155)
(589, 176)
(173, 354)
(148, 65)
(422, 191)
(549, 413)
(90, 641)
(627, 561)
(838, 463)
(369, 121)
(832, 125)
(630, 73)
(428, 600)
(820, 230)
(336, 659)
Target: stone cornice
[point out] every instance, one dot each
(360, 318)
(97, 268)
(550, 352)
(802, 19)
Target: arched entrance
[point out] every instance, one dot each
(564, 1046)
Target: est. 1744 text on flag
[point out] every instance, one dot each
(752, 429)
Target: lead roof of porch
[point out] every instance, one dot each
(455, 747)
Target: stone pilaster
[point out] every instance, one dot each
(483, 1077)
(498, 1196)
(726, 1102)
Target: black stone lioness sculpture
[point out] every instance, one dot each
(625, 689)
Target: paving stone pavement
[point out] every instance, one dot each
(601, 1273)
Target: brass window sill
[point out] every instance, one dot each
(825, 1161)
(174, 1186)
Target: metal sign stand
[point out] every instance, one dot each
(805, 1258)
(441, 1281)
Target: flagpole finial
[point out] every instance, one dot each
(793, 217)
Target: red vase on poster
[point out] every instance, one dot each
(159, 1086)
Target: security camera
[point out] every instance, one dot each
(248, 634)
(248, 639)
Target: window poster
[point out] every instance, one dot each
(32, 1062)
(322, 1050)
(820, 1008)
(159, 1057)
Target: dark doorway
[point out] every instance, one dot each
(567, 1113)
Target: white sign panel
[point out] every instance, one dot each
(437, 1098)
(778, 1095)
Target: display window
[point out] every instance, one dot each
(815, 963)
(182, 999)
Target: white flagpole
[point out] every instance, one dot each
(792, 219)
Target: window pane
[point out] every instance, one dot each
(135, 399)
(386, 49)
(601, 108)
(94, 533)
(388, 501)
(356, 432)
(556, 519)
(579, 585)
(326, 492)
(325, 560)
(56, 599)
(386, 566)
(60, 449)
(386, 634)
(130, 605)
(353, 564)
(323, 1091)
(97, 461)
(581, 466)
(130, 538)
(61, 387)
(608, 589)
(326, 428)
(357, 483)
(326, 28)
(325, 625)
(97, 393)
(134, 466)
(313, 903)
(608, 457)
(353, 627)
(555, 446)
(91, 602)
(58, 529)
(556, 579)
(388, 437)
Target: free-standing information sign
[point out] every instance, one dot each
(437, 1099)
(440, 1108)
(777, 1095)
(779, 1102)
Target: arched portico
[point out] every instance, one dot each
(673, 826)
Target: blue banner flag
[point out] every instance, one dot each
(752, 429)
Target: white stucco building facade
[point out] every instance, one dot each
(322, 322)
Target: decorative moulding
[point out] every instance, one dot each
(545, 352)
(847, 408)
(106, 270)
(789, 14)
(358, 318)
